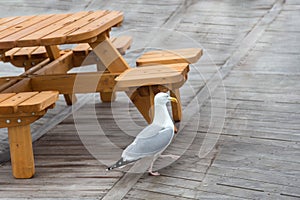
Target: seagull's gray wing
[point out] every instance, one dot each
(148, 146)
(150, 131)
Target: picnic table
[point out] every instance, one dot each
(34, 43)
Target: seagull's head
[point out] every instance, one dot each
(163, 98)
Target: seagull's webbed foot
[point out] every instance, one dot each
(154, 173)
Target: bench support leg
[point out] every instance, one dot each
(143, 99)
(21, 152)
(108, 96)
(105, 96)
(176, 107)
(70, 99)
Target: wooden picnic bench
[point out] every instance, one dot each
(17, 112)
(163, 70)
(34, 42)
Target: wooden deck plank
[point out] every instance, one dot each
(258, 135)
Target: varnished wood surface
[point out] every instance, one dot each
(54, 29)
(257, 155)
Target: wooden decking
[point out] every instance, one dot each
(255, 46)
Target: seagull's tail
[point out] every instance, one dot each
(120, 163)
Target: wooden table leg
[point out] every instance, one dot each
(53, 52)
(176, 107)
(21, 152)
(111, 59)
(70, 99)
(109, 55)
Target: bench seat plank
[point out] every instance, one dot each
(39, 102)
(5, 96)
(152, 75)
(9, 55)
(10, 105)
(121, 43)
(190, 55)
(25, 51)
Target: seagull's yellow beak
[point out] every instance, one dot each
(173, 99)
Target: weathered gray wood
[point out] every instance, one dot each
(257, 153)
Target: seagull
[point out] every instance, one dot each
(153, 139)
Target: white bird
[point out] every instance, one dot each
(153, 139)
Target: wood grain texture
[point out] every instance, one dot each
(59, 36)
(21, 151)
(11, 104)
(75, 82)
(34, 38)
(191, 55)
(30, 26)
(39, 102)
(109, 55)
(153, 75)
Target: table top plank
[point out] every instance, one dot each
(10, 105)
(55, 29)
(7, 19)
(59, 36)
(31, 26)
(21, 26)
(13, 22)
(39, 102)
(34, 38)
(96, 27)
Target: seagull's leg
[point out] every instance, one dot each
(151, 167)
(170, 156)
